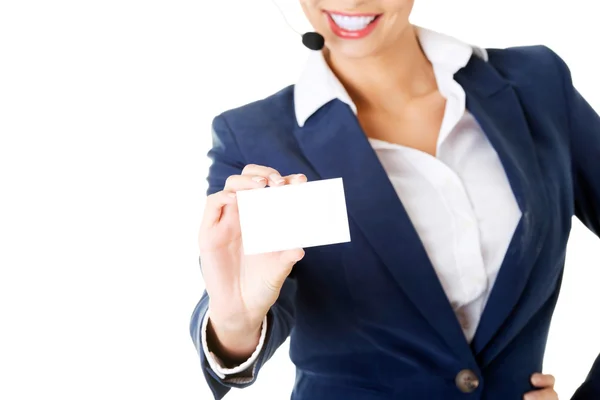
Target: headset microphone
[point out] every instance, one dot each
(313, 40)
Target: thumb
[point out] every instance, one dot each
(281, 266)
(291, 256)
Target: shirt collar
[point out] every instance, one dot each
(318, 85)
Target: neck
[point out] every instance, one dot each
(398, 74)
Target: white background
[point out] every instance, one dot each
(105, 111)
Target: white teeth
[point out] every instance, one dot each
(351, 23)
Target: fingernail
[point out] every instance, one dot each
(258, 179)
(300, 176)
(232, 195)
(277, 179)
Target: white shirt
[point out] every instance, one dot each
(460, 201)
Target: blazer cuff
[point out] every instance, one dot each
(217, 365)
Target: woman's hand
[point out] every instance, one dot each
(545, 383)
(241, 288)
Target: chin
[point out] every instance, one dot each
(348, 49)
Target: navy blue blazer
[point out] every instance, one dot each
(369, 320)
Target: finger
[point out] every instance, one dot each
(295, 179)
(544, 394)
(214, 206)
(274, 177)
(244, 182)
(542, 380)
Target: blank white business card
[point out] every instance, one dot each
(293, 216)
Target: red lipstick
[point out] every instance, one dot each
(352, 34)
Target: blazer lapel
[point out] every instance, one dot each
(336, 146)
(495, 105)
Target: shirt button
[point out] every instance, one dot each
(467, 381)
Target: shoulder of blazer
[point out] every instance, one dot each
(529, 67)
(538, 76)
(272, 113)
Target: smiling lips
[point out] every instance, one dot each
(352, 26)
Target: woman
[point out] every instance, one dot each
(462, 169)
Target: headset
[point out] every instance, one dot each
(313, 40)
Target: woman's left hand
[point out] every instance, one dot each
(545, 385)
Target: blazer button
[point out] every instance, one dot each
(467, 381)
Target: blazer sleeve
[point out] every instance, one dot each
(227, 160)
(584, 131)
